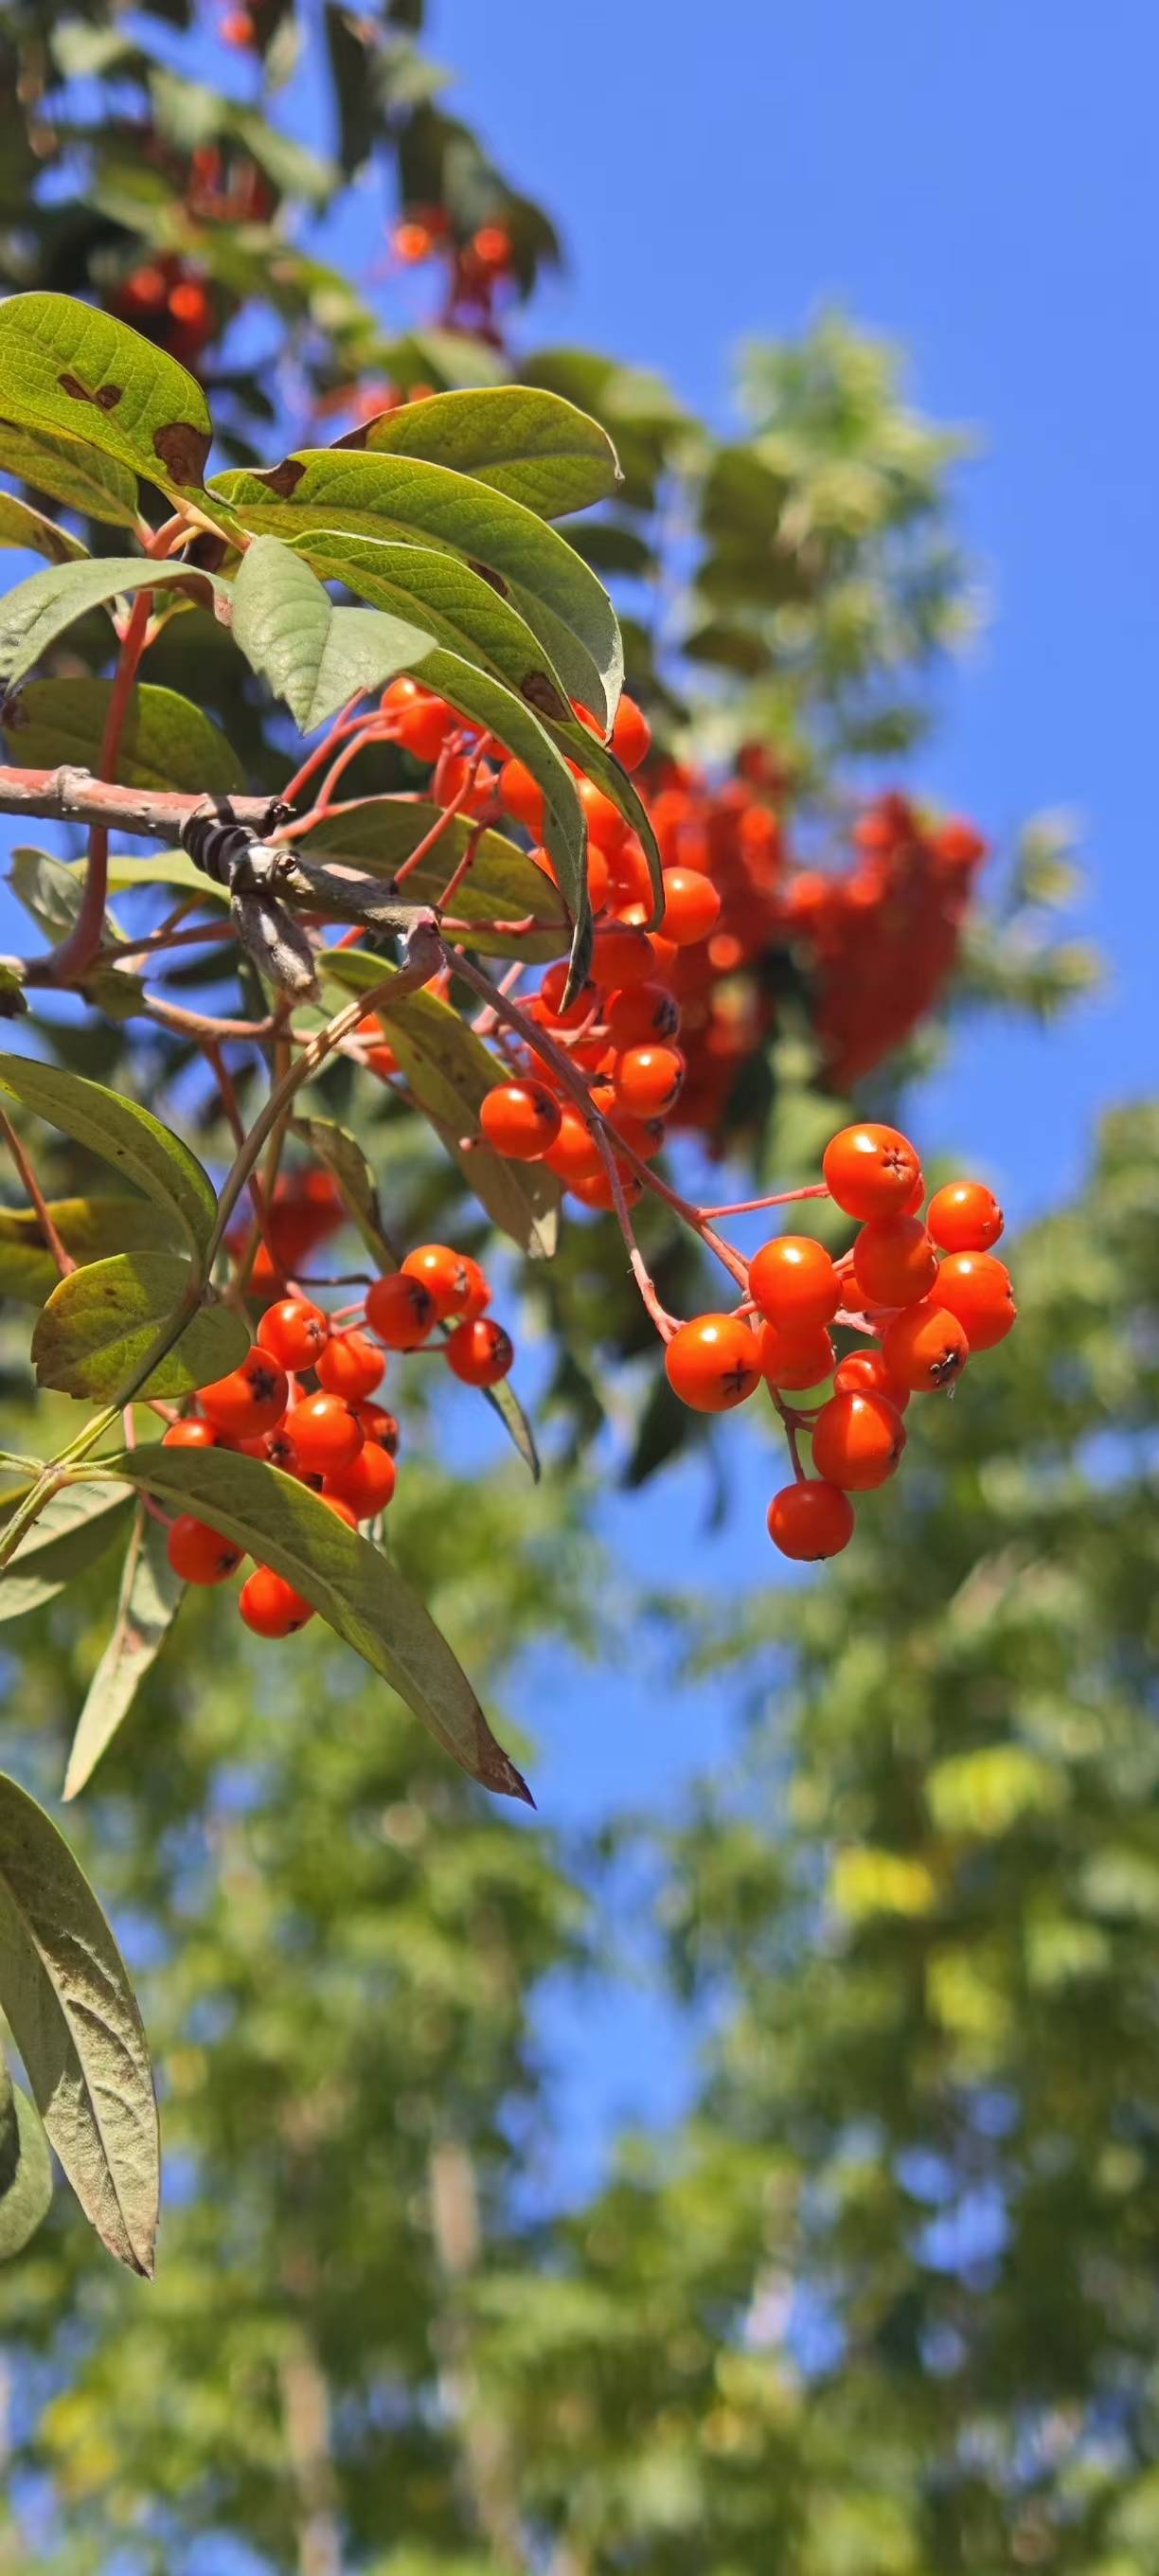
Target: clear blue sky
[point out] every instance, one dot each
(981, 185)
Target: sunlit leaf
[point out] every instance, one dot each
(167, 743)
(123, 1134)
(531, 446)
(25, 2169)
(88, 1228)
(84, 480)
(94, 1333)
(48, 603)
(502, 885)
(149, 1599)
(68, 367)
(28, 529)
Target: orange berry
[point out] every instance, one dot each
(251, 1399)
(597, 1192)
(270, 1606)
(965, 1217)
(411, 243)
(190, 1434)
(401, 1310)
(200, 1554)
(551, 993)
(351, 1367)
(522, 796)
(925, 1347)
(870, 1170)
(343, 1511)
(794, 1283)
(865, 1372)
(325, 1433)
(631, 734)
(607, 828)
(480, 1353)
(712, 1363)
(691, 906)
(622, 955)
(453, 1279)
(295, 1330)
(367, 1484)
(810, 1519)
(642, 1015)
(977, 1288)
(378, 1426)
(647, 1079)
(492, 246)
(575, 1155)
(894, 1261)
(520, 1120)
(795, 1359)
(857, 1440)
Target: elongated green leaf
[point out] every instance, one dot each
(502, 885)
(123, 1134)
(24, 527)
(74, 2018)
(350, 1582)
(88, 1228)
(167, 743)
(65, 366)
(95, 1332)
(73, 1531)
(25, 2169)
(79, 476)
(531, 446)
(159, 868)
(52, 892)
(308, 652)
(48, 603)
(150, 1597)
(444, 597)
(450, 1071)
(399, 496)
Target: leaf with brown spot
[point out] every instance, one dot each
(66, 366)
(533, 446)
(183, 451)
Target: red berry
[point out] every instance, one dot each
(865, 1372)
(325, 1433)
(480, 1353)
(794, 1283)
(857, 1441)
(379, 1426)
(796, 1359)
(270, 1606)
(275, 1446)
(607, 829)
(976, 1288)
(367, 1484)
(295, 1331)
(965, 1217)
(870, 1170)
(401, 1310)
(520, 1120)
(452, 1278)
(342, 1511)
(597, 1192)
(894, 1261)
(522, 796)
(351, 1367)
(641, 1016)
(631, 734)
(575, 1155)
(190, 1434)
(551, 993)
(647, 1079)
(713, 1363)
(251, 1399)
(691, 906)
(925, 1347)
(200, 1554)
(421, 721)
(810, 1519)
(622, 955)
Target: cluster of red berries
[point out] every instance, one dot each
(171, 306)
(926, 1293)
(304, 1400)
(478, 270)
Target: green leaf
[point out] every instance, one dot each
(556, 594)
(65, 366)
(73, 1531)
(308, 652)
(167, 743)
(74, 2018)
(502, 884)
(88, 1228)
(51, 890)
(150, 1597)
(28, 529)
(447, 600)
(95, 1332)
(531, 446)
(48, 603)
(121, 1133)
(350, 1582)
(25, 2169)
(345, 1161)
(450, 1071)
(504, 1401)
(158, 868)
(80, 477)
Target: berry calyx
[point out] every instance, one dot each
(870, 1171)
(977, 1289)
(325, 1432)
(251, 1399)
(520, 1120)
(857, 1441)
(401, 1310)
(925, 1347)
(894, 1261)
(270, 1606)
(480, 1353)
(295, 1331)
(351, 1366)
(200, 1554)
(713, 1363)
(794, 1283)
(965, 1217)
(810, 1520)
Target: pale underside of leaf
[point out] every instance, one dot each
(150, 1597)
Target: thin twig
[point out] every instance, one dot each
(62, 1257)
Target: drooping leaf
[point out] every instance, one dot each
(450, 1071)
(123, 1134)
(74, 2018)
(447, 600)
(48, 603)
(531, 446)
(79, 476)
(73, 1531)
(167, 743)
(149, 1600)
(502, 884)
(49, 889)
(403, 497)
(28, 529)
(350, 1582)
(88, 1228)
(94, 1333)
(68, 367)
(25, 2169)
(308, 652)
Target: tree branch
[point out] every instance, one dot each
(74, 796)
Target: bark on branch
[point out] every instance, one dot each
(74, 796)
